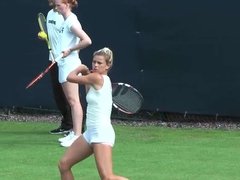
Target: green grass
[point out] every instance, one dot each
(29, 152)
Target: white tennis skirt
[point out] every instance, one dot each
(102, 135)
(65, 66)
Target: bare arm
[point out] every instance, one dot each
(84, 42)
(87, 78)
(74, 75)
(85, 39)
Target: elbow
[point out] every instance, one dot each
(89, 42)
(69, 78)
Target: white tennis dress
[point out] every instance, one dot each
(98, 119)
(67, 40)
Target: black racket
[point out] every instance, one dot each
(126, 98)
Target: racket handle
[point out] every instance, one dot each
(51, 55)
(59, 57)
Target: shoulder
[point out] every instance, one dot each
(107, 79)
(95, 77)
(53, 15)
(73, 16)
(50, 13)
(73, 20)
(97, 80)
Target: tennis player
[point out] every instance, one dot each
(72, 39)
(99, 137)
(54, 21)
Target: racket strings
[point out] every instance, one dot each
(42, 22)
(127, 99)
(127, 106)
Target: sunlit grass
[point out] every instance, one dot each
(29, 152)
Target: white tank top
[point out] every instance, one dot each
(99, 106)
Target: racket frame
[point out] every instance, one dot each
(115, 105)
(43, 27)
(40, 76)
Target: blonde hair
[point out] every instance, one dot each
(107, 54)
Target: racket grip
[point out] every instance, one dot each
(59, 57)
(51, 55)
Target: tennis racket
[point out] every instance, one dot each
(126, 98)
(43, 27)
(40, 76)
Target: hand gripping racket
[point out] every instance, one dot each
(126, 98)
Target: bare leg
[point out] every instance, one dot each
(103, 157)
(60, 99)
(77, 152)
(71, 91)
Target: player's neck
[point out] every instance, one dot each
(68, 13)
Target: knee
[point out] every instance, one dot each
(63, 166)
(73, 102)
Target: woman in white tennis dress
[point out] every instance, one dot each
(99, 137)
